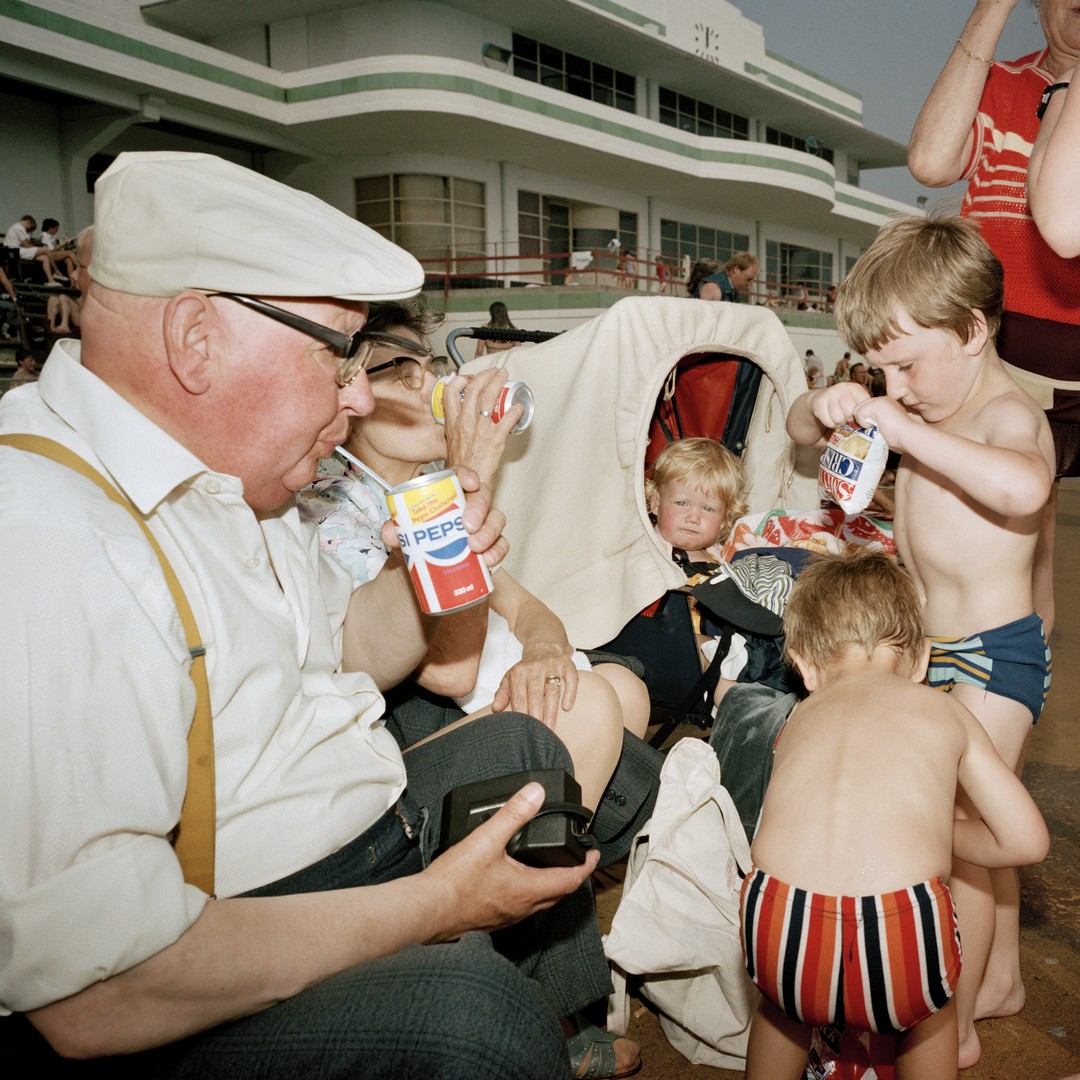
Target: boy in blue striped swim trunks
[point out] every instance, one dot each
(977, 463)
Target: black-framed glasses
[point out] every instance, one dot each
(410, 371)
(354, 349)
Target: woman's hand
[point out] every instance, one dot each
(541, 683)
(483, 522)
(472, 438)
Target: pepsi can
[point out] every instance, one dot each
(446, 573)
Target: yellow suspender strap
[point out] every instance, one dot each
(197, 832)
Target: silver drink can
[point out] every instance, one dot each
(511, 393)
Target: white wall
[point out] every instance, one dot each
(31, 181)
(382, 29)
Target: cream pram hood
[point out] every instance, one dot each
(572, 485)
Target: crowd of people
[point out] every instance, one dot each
(244, 874)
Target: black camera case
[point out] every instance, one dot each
(557, 836)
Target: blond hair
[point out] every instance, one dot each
(848, 602)
(938, 272)
(706, 465)
(703, 268)
(741, 260)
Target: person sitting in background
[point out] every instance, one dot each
(707, 281)
(25, 368)
(799, 296)
(842, 371)
(500, 320)
(860, 373)
(59, 248)
(18, 237)
(64, 312)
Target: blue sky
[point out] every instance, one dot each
(887, 51)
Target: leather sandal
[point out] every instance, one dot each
(592, 1055)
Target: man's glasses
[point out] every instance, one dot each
(411, 372)
(354, 349)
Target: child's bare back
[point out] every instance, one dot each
(863, 784)
(857, 831)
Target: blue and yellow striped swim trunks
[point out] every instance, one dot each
(1012, 661)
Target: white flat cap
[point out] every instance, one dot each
(165, 222)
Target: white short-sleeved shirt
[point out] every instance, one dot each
(16, 235)
(98, 699)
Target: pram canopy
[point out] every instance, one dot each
(572, 485)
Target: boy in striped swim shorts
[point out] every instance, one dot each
(924, 304)
(847, 916)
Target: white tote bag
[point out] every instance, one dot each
(677, 925)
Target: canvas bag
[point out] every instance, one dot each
(677, 925)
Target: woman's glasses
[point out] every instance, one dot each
(411, 371)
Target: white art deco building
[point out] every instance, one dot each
(506, 142)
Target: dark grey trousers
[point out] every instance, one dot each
(413, 714)
(462, 1010)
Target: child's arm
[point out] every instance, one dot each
(1008, 474)
(1012, 831)
(546, 651)
(814, 414)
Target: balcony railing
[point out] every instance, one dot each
(601, 268)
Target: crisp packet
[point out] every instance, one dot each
(851, 467)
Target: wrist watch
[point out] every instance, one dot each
(1047, 94)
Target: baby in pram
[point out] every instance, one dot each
(695, 497)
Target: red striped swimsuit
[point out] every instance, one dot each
(878, 963)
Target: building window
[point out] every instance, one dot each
(576, 75)
(793, 268)
(809, 145)
(543, 225)
(430, 216)
(700, 118)
(679, 240)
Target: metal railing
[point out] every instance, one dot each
(601, 268)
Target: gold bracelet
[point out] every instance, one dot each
(974, 56)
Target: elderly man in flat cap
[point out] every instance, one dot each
(250, 892)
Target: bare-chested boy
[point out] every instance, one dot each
(923, 304)
(847, 916)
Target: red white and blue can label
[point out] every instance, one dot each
(446, 573)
